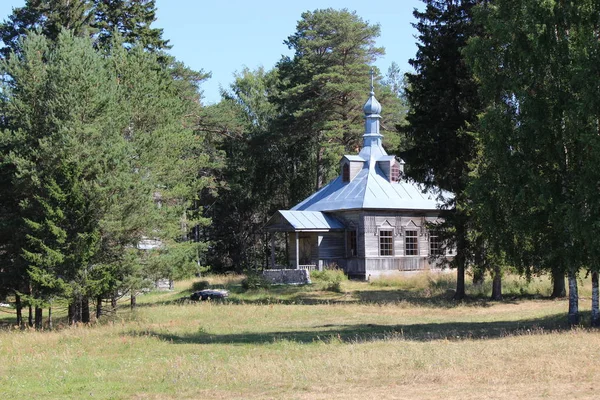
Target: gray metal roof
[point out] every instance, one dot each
(354, 158)
(371, 189)
(286, 220)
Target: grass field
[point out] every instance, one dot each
(389, 339)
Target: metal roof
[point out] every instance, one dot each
(371, 189)
(354, 158)
(287, 220)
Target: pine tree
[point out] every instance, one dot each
(48, 17)
(323, 88)
(98, 19)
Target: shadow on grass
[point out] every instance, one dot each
(455, 331)
(312, 295)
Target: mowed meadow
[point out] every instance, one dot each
(388, 339)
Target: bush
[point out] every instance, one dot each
(330, 278)
(255, 281)
(200, 285)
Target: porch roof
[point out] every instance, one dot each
(299, 221)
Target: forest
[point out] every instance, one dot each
(105, 143)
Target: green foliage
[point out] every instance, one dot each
(330, 279)
(443, 108)
(539, 144)
(248, 186)
(255, 280)
(99, 20)
(320, 96)
(132, 20)
(283, 131)
(96, 156)
(200, 285)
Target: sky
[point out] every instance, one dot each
(223, 36)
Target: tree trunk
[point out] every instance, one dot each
(319, 182)
(19, 307)
(30, 317)
(85, 310)
(595, 300)
(133, 300)
(98, 307)
(478, 277)
(50, 325)
(497, 284)
(573, 317)
(460, 282)
(38, 318)
(113, 302)
(71, 313)
(75, 310)
(558, 285)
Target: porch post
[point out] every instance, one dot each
(273, 250)
(297, 250)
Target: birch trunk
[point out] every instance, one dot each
(573, 299)
(19, 307)
(595, 306)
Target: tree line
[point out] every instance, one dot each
(105, 143)
(100, 152)
(510, 88)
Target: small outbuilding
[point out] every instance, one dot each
(370, 221)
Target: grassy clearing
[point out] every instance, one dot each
(385, 339)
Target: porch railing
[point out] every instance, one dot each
(308, 267)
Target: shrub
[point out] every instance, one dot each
(254, 281)
(200, 285)
(330, 278)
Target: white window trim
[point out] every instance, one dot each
(386, 229)
(411, 229)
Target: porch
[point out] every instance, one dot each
(313, 240)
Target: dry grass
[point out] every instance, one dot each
(340, 348)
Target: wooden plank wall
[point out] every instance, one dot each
(355, 168)
(332, 246)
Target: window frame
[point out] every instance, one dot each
(352, 241)
(411, 251)
(388, 250)
(434, 239)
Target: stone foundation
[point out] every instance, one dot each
(287, 276)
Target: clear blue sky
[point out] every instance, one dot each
(222, 36)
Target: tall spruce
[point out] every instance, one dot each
(98, 19)
(132, 20)
(443, 104)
